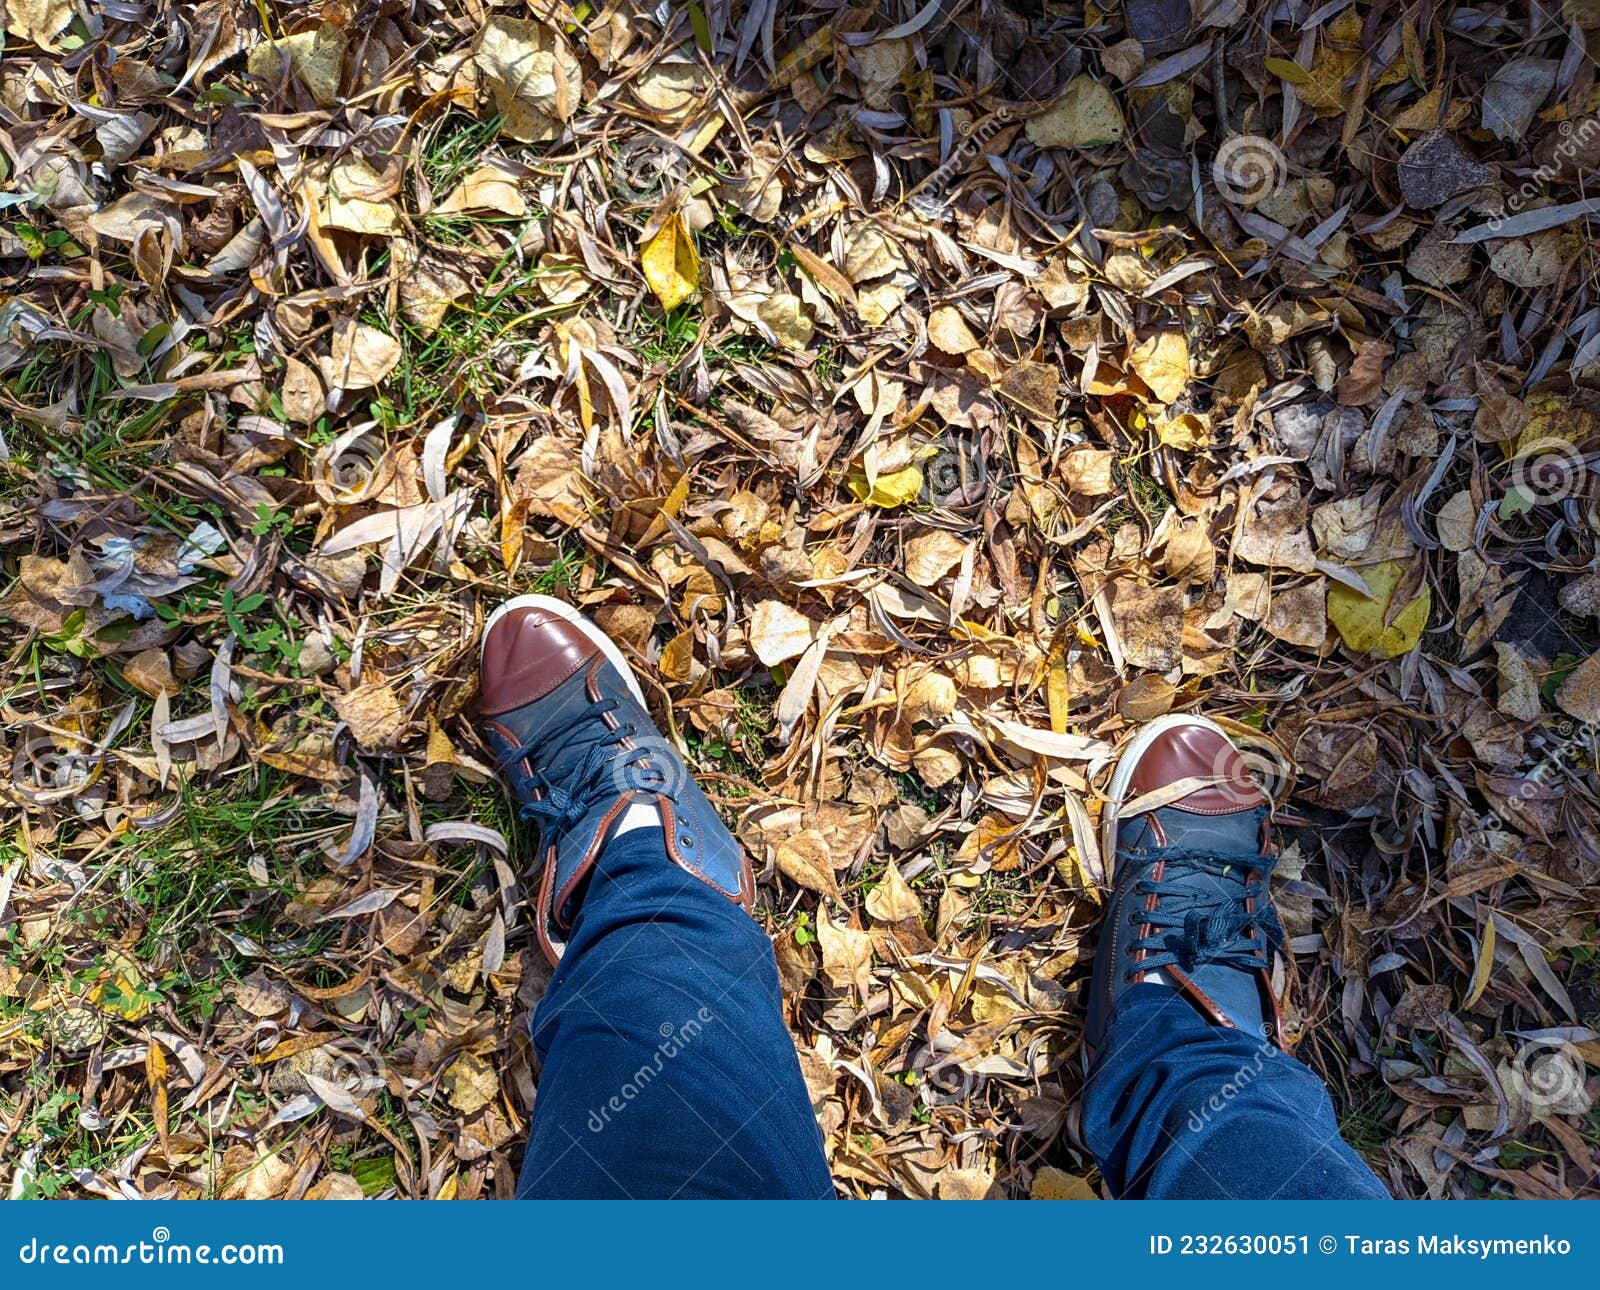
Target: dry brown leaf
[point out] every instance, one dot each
(778, 633)
(533, 77)
(486, 190)
(314, 58)
(1579, 694)
(948, 331)
(373, 714)
(932, 555)
(846, 955)
(361, 356)
(805, 860)
(892, 900)
(301, 393)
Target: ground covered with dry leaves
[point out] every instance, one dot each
(925, 392)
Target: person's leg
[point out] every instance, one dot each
(668, 1070)
(1182, 1109)
(1191, 1094)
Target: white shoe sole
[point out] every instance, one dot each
(1122, 776)
(561, 609)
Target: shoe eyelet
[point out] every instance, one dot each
(685, 840)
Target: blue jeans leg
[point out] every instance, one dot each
(667, 1067)
(1179, 1109)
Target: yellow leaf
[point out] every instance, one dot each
(533, 76)
(1058, 692)
(1288, 70)
(470, 1083)
(1051, 1183)
(1361, 619)
(671, 264)
(1186, 432)
(316, 57)
(1085, 116)
(1555, 421)
(897, 488)
(120, 988)
(1485, 963)
(356, 203)
(788, 318)
(1162, 363)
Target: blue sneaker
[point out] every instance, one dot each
(1185, 833)
(564, 716)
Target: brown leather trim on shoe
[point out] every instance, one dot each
(541, 906)
(1150, 902)
(1201, 1000)
(526, 655)
(746, 899)
(1198, 997)
(586, 865)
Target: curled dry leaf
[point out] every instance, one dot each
(534, 79)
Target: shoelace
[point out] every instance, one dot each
(1191, 930)
(582, 767)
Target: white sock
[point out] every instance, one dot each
(639, 815)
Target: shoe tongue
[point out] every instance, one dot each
(1234, 832)
(1236, 994)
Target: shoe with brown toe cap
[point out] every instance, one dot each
(564, 716)
(1185, 834)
